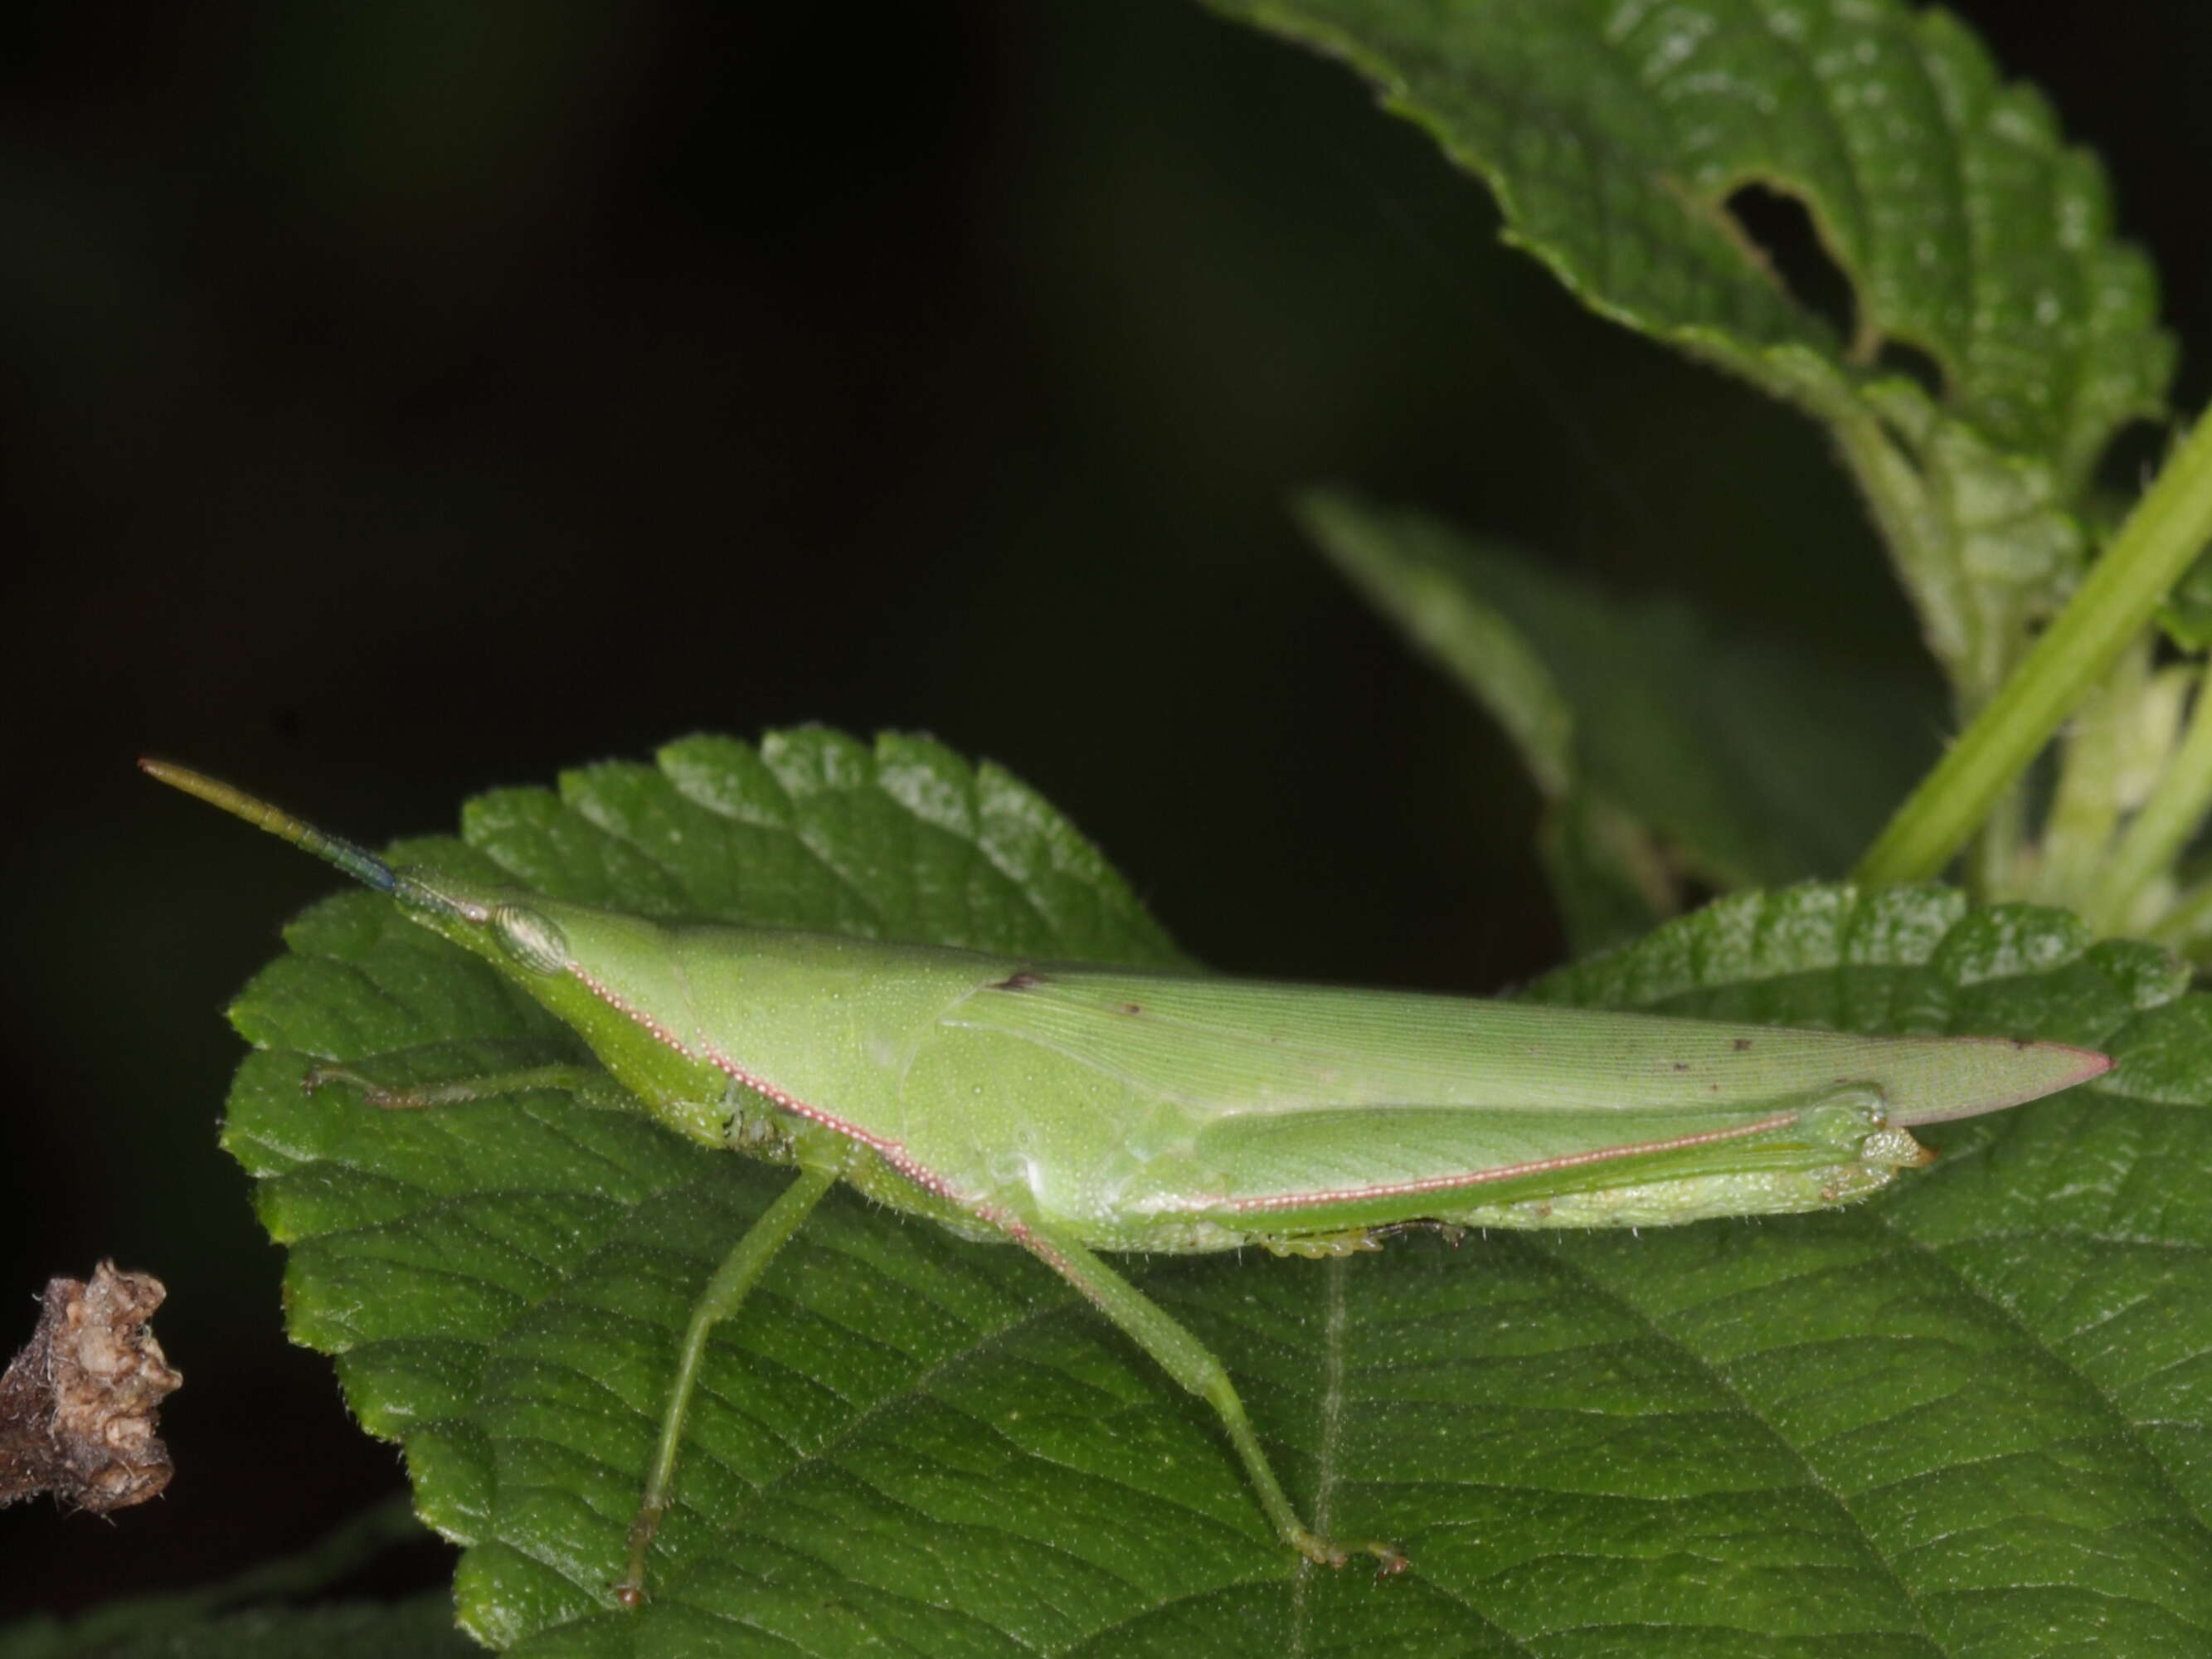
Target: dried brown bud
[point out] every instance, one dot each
(78, 1405)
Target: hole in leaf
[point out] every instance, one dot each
(1896, 357)
(1777, 228)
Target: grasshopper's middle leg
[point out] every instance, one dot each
(740, 1270)
(1191, 1364)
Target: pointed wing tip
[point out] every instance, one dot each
(2095, 1063)
(2056, 1066)
(2071, 1064)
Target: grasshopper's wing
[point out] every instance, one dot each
(1254, 1096)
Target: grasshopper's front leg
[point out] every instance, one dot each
(453, 1074)
(1191, 1364)
(587, 1082)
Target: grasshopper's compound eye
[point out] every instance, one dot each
(529, 938)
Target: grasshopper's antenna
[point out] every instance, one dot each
(358, 862)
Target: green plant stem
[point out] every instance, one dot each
(2085, 807)
(1994, 860)
(2182, 927)
(1922, 544)
(2157, 833)
(2167, 529)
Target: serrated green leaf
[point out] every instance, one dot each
(1740, 763)
(1968, 1420)
(1613, 137)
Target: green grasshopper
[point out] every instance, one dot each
(1071, 1109)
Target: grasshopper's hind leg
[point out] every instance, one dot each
(1191, 1364)
(740, 1270)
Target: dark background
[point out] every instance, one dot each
(403, 399)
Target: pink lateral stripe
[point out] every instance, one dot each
(892, 1152)
(1504, 1172)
